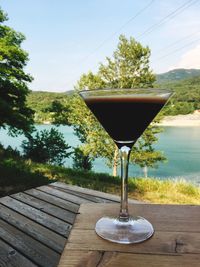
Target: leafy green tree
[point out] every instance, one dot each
(46, 147)
(13, 81)
(44, 103)
(128, 68)
(180, 108)
(81, 161)
(143, 153)
(89, 131)
(59, 112)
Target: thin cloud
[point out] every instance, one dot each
(189, 60)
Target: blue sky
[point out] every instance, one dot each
(66, 38)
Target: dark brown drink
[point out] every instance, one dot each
(125, 118)
(125, 113)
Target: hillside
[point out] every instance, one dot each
(176, 75)
(39, 101)
(185, 84)
(186, 96)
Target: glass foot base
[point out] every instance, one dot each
(135, 230)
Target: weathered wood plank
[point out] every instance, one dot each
(38, 216)
(83, 195)
(37, 252)
(83, 258)
(87, 191)
(46, 207)
(37, 231)
(91, 192)
(9, 257)
(53, 200)
(160, 243)
(63, 195)
(75, 258)
(163, 217)
(179, 246)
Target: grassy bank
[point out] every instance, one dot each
(145, 189)
(18, 175)
(165, 191)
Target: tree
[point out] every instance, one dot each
(13, 81)
(81, 161)
(46, 147)
(128, 68)
(59, 112)
(143, 154)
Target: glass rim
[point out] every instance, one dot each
(148, 89)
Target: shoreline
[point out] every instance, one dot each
(189, 120)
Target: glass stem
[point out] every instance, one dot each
(124, 157)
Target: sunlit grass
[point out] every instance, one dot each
(18, 175)
(165, 191)
(146, 189)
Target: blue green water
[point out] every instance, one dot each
(181, 146)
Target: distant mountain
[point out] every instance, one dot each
(69, 92)
(176, 75)
(186, 97)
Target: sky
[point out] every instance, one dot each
(66, 38)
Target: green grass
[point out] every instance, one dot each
(88, 179)
(18, 175)
(146, 189)
(165, 191)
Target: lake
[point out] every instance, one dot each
(181, 146)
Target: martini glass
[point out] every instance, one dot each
(125, 114)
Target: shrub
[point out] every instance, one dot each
(46, 147)
(81, 161)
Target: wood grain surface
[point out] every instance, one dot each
(176, 241)
(35, 224)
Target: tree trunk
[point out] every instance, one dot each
(145, 171)
(115, 161)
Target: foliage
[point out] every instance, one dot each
(182, 108)
(184, 101)
(46, 147)
(59, 112)
(143, 153)
(9, 152)
(40, 102)
(13, 81)
(89, 131)
(176, 75)
(145, 189)
(16, 174)
(19, 175)
(186, 98)
(128, 68)
(81, 161)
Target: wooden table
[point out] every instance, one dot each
(176, 241)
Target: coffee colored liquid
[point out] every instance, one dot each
(125, 118)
